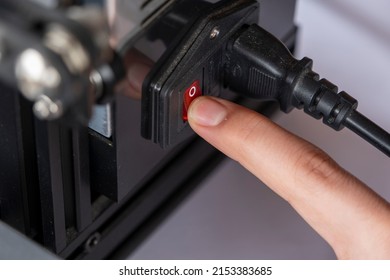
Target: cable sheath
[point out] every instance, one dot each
(369, 131)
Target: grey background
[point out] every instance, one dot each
(233, 215)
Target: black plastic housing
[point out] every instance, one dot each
(199, 56)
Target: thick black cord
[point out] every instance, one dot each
(369, 131)
(259, 66)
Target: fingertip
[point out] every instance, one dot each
(207, 112)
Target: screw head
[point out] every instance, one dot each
(92, 241)
(214, 32)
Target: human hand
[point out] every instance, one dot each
(353, 219)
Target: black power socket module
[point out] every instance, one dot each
(193, 67)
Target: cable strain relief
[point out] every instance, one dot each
(320, 99)
(300, 69)
(343, 110)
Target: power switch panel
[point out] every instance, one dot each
(190, 94)
(191, 67)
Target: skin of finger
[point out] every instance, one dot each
(346, 213)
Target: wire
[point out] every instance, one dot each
(369, 131)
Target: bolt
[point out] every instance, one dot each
(214, 33)
(47, 109)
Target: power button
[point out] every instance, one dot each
(192, 92)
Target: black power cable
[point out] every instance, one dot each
(369, 131)
(259, 66)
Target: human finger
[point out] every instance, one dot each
(351, 217)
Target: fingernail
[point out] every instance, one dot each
(207, 112)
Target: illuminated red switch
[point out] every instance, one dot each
(192, 92)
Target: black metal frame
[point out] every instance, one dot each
(51, 175)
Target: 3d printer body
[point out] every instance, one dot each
(94, 189)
